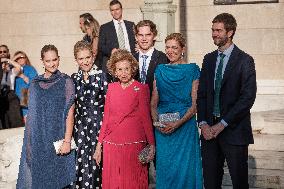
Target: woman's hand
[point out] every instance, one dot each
(151, 153)
(98, 154)
(170, 127)
(65, 148)
(24, 77)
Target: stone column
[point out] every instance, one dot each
(162, 13)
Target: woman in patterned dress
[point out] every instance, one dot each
(90, 87)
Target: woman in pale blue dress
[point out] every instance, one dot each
(178, 160)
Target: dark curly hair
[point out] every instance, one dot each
(229, 21)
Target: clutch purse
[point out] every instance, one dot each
(144, 154)
(159, 124)
(25, 97)
(169, 117)
(58, 144)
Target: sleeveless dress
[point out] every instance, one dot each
(49, 103)
(89, 108)
(178, 159)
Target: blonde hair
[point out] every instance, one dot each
(23, 53)
(81, 45)
(178, 37)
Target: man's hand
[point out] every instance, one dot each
(206, 132)
(217, 129)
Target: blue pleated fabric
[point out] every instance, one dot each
(49, 103)
(178, 159)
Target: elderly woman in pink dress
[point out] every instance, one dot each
(127, 127)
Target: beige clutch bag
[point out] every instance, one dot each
(58, 144)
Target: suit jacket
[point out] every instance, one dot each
(157, 58)
(108, 38)
(237, 95)
(1, 72)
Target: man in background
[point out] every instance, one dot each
(115, 34)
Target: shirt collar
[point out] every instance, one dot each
(228, 51)
(148, 53)
(116, 21)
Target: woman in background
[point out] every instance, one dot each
(50, 118)
(23, 80)
(178, 160)
(10, 113)
(127, 127)
(90, 86)
(92, 27)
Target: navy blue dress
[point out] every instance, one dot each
(89, 108)
(49, 103)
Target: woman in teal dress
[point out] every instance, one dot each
(178, 160)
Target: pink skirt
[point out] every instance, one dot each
(121, 167)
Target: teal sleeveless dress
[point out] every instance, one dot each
(178, 159)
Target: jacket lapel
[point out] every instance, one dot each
(231, 64)
(137, 76)
(152, 65)
(211, 70)
(113, 33)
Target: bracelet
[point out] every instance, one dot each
(67, 141)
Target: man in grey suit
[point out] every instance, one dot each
(226, 93)
(115, 34)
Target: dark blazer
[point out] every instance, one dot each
(108, 38)
(237, 95)
(1, 71)
(157, 58)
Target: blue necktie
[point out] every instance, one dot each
(218, 82)
(143, 71)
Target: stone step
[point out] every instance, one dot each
(260, 178)
(268, 142)
(8, 133)
(266, 159)
(268, 122)
(5, 185)
(231, 187)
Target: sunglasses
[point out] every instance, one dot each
(20, 58)
(3, 52)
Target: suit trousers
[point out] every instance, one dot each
(214, 153)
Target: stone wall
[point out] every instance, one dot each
(28, 25)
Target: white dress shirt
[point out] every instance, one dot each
(127, 45)
(149, 54)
